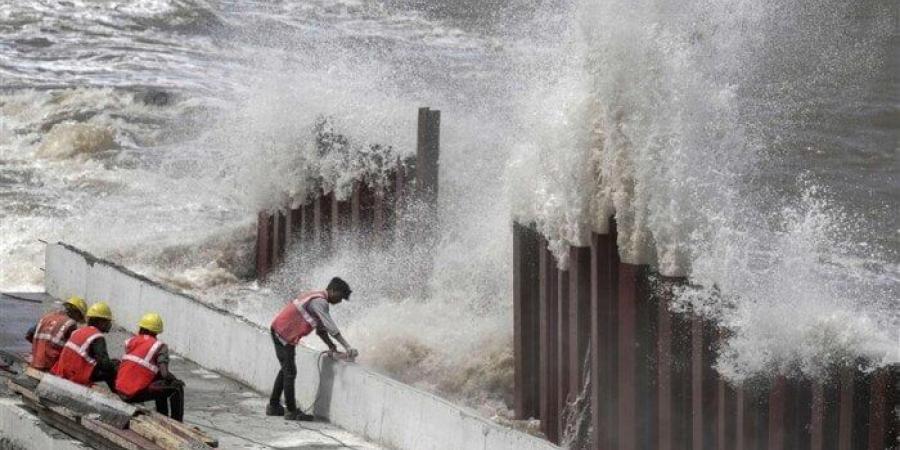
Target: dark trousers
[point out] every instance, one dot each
(286, 377)
(168, 395)
(108, 376)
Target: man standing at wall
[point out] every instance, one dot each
(85, 359)
(50, 334)
(144, 372)
(308, 312)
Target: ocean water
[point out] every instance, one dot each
(752, 148)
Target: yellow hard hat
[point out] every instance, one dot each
(100, 311)
(151, 322)
(78, 303)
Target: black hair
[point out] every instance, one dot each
(71, 309)
(338, 285)
(96, 321)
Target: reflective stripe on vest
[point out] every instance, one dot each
(49, 339)
(56, 338)
(138, 368)
(83, 348)
(74, 363)
(294, 321)
(147, 361)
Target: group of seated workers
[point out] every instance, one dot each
(79, 354)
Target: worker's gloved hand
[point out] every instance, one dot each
(352, 353)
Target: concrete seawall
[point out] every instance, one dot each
(350, 396)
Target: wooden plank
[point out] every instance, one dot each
(22, 390)
(72, 428)
(85, 401)
(126, 439)
(34, 373)
(63, 411)
(160, 435)
(193, 432)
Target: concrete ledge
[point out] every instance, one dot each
(359, 400)
(20, 429)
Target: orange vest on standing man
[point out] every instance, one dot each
(294, 321)
(138, 368)
(74, 362)
(49, 339)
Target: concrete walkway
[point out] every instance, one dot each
(225, 409)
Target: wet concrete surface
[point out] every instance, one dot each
(224, 408)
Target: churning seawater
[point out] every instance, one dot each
(750, 147)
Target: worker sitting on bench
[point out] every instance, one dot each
(144, 373)
(84, 359)
(50, 334)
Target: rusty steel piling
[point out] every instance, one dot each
(653, 380)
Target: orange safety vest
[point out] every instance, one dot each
(138, 368)
(74, 362)
(49, 339)
(294, 321)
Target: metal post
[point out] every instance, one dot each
(296, 221)
(697, 364)
(322, 218)
(357, 210)
(845, 414)
(263, 244)
(308, 224)
(549, 343)
(776, 414)
(883, 420)
(340, 218)
(604, 349)
(401, 198)
(818, 416)
(726, 424)
(526, 316)
(562, 363)
(427, 155)
(740, 417)
(579, 314)
(279, 237)
(664, 368)
(379, 217)
(627, 410)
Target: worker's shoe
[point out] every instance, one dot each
(274, 410)
(298, 415)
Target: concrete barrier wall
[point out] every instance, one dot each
(20, 429)
(350, 396)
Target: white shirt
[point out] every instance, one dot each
(321, 308)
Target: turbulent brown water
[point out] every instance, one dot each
(750, 147)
